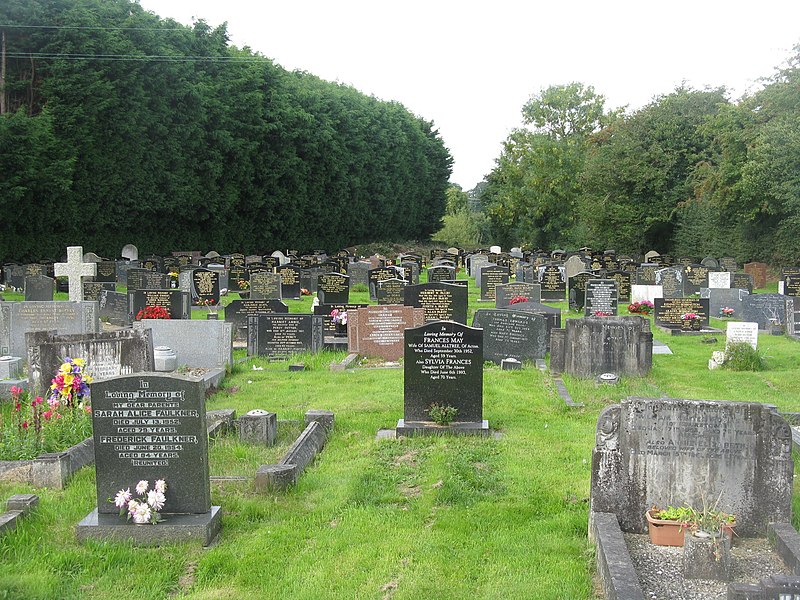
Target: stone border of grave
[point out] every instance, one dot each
(51, 470)
(17, 507)
(615, 568)
(278, 477)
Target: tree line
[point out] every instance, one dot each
(121, 127)
(691, 173)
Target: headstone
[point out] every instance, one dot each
(738, 333)
(671, 280)
(107, 354)
(130, 252)
(265, 285)
(443, 365)
(377, 331)
(575, 264)
(333, 288)
(198, 344)
(281, 335)
(764, 309)
(391, 291)
(742, 281)
(441, 301)
(696, 278)
(505, 293)
(358, 272)
(441, 273)
(39, 288)
(646, 273)
(668, 312)
(668, 451)
(553, 280)
(640, 293)
(577, 289)
(511, 334)
(591, 346)
(378, 274)
(153, 263)
(793, 317)
(601, 297)
(106, 271)
(176, 302)
(144, 279)
(92, 289)
(238, 312)
(719, 279)
(791, 285)
(74, 270)
(152, 427)
(729, 264)
(719, 298)
(710, 262)
(759, 272)
(114, 308)
(290, 280)
(623, 281)
(205, 286)
(19, 318)
(237, 259)
(476, 262)
(491, 276)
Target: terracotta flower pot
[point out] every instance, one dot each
(664, 532)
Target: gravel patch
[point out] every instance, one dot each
(660, 568)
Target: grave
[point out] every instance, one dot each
(114, 308)
(290, 280)
(738, 333)
(441, 301)
(505, 293)
(440, 273)
(719, 298)
(552, 315)
(379, 274)
(591, 346)
(758, 270)
(144, 279)
(601, 297)
(671, 280)
(333, 288)
(577, 289)
(391, 291)
(491, 276)
(239, 311)
(719, 279)
(265, 285)
(106, 272)
(764, 309)
(39, 288)
(205, 287)
(93, 289)
(668, 311)
(793, 317)
(743, 281)
(646, 273)
(443, 365)
(696, 278)
(197, 344)
(553, 280)
(511, 334)
(75, 270)
(623, 280)
(666, 451)
(377, 331)
(130, 252)
(152, 427)
(640, 293)
(176, 302)
(358, 272)
(19, 318)
(729, 264)
(280, 335)
(107, 354)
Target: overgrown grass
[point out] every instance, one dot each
(408, 518)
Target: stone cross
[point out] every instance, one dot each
(74, 269)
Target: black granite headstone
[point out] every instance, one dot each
(284, 334)
(601, 297)
(114, 308)
(668, 312)
(146, 279)
(290, 280)
(511, 334)
(333, 288)
(490, 277)
(441, 301)
(764, 309)
(176, 302)
(577, 289)
(391, 291)
(696, 278)
(671, 280)
(553, 280)
(743, 281)
(238, 312)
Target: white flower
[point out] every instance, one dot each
(141, 487)
(156, 499)
(160, 485)
(133, 505)
(142, 514)
(122, 498)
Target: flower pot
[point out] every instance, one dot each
(212, 317)
(244, 294)
(663, 532)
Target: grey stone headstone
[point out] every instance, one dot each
(667, 451)
(518, 289)
(107, 354)
(440, 273)
(672, 281)
(75, 270)
(39, 288)
(719, 298)
(284, 334)
(793, 317)
(130, 252)
(358, 273)
(238, 312)
(19, 318)
(264, 286)
(764, 309)
(710, 262)
(511, 334)
(290, 280)
(574, 265)
(197, 343)
(591, 346)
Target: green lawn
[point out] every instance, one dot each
(411, 518)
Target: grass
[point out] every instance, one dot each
(402, 519)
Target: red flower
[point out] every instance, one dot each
(24, 424)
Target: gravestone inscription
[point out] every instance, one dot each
(176, 302)
(553, 280)
(333, 288)
(239, 311)
(668, 312)
(764, 309)
(441, 301)
(601, 297)
(290, 280)
(19, 318)
(283, 334)
(378, 331)
(511, 334)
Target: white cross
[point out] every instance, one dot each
(74, 269)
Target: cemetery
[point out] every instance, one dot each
(434, 420)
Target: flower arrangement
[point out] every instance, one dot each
(30, 428)
(145, 508)
(600, 313)
(210, 305)
(645, 307)
(339, 316)
(726, 311)
(244, 284)
(690, 316)
(70, 386)
(304, 292)
(172, 279)
(152, 312)
(518, 299)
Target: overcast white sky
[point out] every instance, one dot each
(470, 66)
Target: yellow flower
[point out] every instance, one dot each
(68, 380)
(79, 361)
(65, 368)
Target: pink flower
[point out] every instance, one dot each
(24, 424)
(47, 414)
(122, 498)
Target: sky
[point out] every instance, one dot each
(469, 66)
